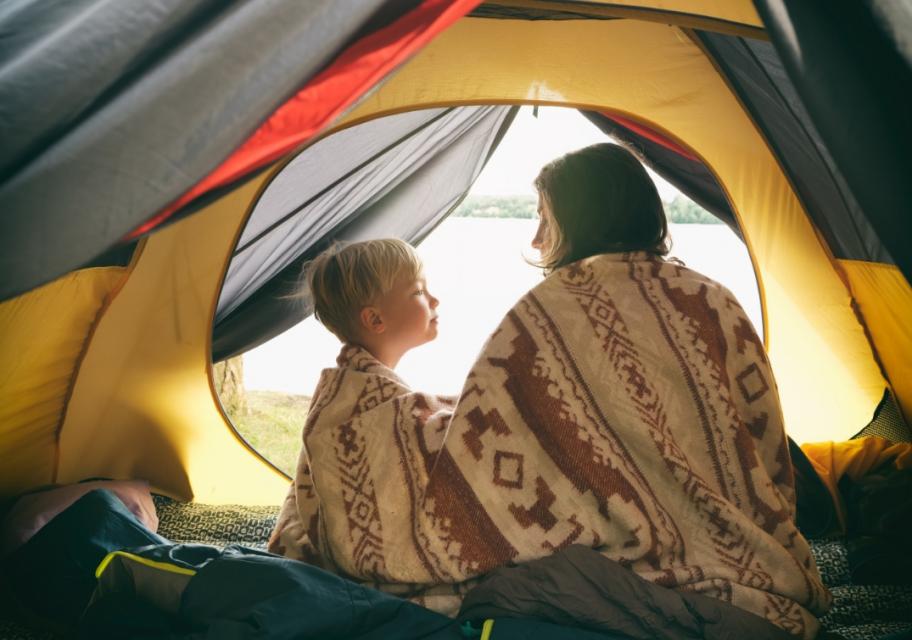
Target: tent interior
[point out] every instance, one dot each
(106, 369)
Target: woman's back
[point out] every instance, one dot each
(626, 403)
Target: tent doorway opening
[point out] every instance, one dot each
(474, 262)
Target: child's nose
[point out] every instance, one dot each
(433, 301)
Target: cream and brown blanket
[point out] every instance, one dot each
(624, 403)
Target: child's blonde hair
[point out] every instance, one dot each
(348, 277)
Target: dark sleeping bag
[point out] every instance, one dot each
(52, 576)
(196, 592)
(200, 591)
(878, 522)
(578, 586)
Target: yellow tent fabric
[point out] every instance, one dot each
(854, 458)
(106, 372)
(884, 300)
(143, 405)
(43, 335)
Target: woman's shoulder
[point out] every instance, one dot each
(676, 272)
(631, 270)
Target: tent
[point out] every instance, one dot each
(167, 166)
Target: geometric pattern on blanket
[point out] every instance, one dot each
(217, 525)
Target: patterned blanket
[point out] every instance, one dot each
(624, 403)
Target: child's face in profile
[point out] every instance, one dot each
(409, 313)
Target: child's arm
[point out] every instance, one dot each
(296, 534)
(297, 531)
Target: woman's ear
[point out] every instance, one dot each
(372, 320)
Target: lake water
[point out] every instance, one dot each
(475, 267)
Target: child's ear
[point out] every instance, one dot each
(371, 320)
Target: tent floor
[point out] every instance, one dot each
(859, 612)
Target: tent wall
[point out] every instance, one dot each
(828, 378)
(42, 337)
(884, 299)
(756, 75)
(177, 86)
(142, 404)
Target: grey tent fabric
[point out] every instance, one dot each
(319, 190)
(850, 62)
(395, 176)
(755, 72)
(109, 111)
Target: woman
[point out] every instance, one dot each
(625, 403)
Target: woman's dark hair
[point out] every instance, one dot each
(602, 201)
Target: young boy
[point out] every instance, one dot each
(373, 294)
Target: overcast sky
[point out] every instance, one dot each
(533, 142)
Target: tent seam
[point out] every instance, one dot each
(644, 14)
(811, 144)
(691, 34)
(275, 169)
(83, 351)
(859, 315)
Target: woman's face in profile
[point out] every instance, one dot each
(542, 239)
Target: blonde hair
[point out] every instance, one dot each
(348, 277)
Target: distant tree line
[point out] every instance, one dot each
(681, 210)
(497, 207)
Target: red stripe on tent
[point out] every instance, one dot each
(652, 134)
(326, 96)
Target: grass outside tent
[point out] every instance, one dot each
(272, 425)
